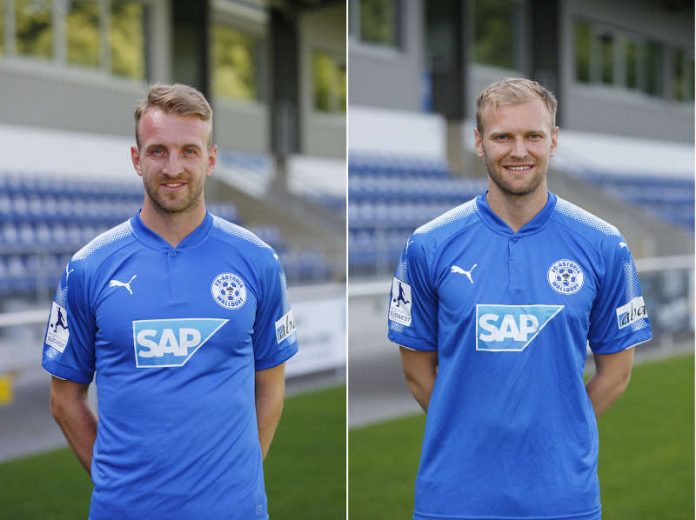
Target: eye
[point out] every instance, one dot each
(158, 151)
(501, 138)
(536, 137)
(190, 151)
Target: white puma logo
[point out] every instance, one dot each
(118, 283)
(459, 270)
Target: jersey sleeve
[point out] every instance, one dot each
(619, 319)
(68, 351)
(274, 337)
(413, 300)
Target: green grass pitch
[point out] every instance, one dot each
(305, 469)
(646, 464)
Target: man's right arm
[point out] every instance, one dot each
(71, 411)
(420, 370)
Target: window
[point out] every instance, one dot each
(87, 40)
(606, 52)
(631, 57)
(689, 75)
(583, 42)
(127, 39)
(235, 64)
(494, 29)
(653, 66)
(34, 28)
(376, 21)
(329, 83)
(82, 28)
(614, 57)
(682, 76)
(2, 28)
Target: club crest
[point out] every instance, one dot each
(229, 291)
(565, 277)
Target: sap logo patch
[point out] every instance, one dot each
(57, 334)
(171, 342)
(400, 306)
(511, 328)
(631, 312)
(285, 327)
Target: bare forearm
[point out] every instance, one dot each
(612, 374)
(79, 426)
(269, 408)
(270, 393)
(421, 388)
(420, 370)
(603, 391)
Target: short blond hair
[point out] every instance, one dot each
(514, 91)
(180, 99)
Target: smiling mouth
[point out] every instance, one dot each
(519, 168)
(173, 185)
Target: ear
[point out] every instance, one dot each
(212, 159)
(554, 140)
(478, 142)
(135, 158)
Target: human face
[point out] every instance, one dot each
(174, 160)
(516, 145)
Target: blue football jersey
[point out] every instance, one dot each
(510, 430)
(175, 336)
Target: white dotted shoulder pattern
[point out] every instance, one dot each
(578, 214)
(461, 211)
(106, 238)
(237, 231)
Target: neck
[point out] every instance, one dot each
(516, 210)
(172, 227)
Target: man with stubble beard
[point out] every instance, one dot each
(184, 318)
(493, 305)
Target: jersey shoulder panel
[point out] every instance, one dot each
(245, 243)
(238, 236)
(106, 244)
(442, 228)
(582, 220)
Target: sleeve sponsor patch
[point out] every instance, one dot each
(57, 333)
(400, 306)
(631, 312)
(285, 327)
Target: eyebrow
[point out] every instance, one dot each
(185, 145)
(509, 132)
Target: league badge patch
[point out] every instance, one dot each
(57, 333)
(400, 306)
(228, 291)
(565, 277)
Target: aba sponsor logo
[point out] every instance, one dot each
(400, 306)
(171, 342)
(285, 327)
(565, 277)
(229, 291)
(511, 328)
(57, 334)
(631, 312)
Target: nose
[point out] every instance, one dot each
(519, 150)
(173, 166)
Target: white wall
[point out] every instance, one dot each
(396, 132)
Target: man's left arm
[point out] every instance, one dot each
(612, 374)
(270, 393)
